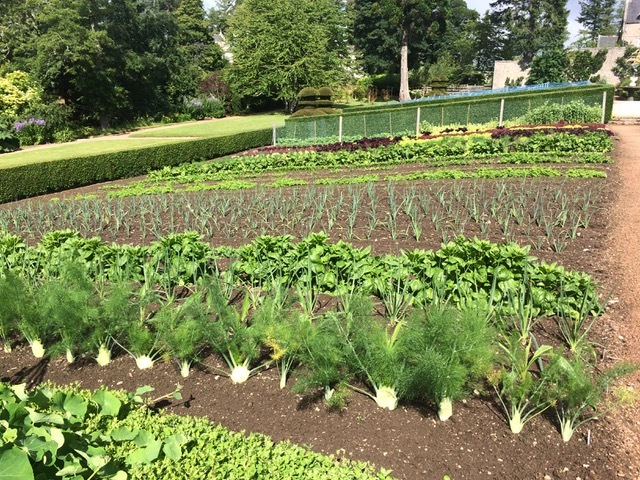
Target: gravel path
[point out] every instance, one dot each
(624, 253)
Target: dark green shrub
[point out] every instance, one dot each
(308, 112)
(8, 140)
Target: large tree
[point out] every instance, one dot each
(598, 17)
(109, 60)
(279, 48)
(400, 31)
(528, 27)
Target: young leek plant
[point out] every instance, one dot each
(446, 349)
(182, 328)
(232, 334)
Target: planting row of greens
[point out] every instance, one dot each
(393, 119)
(53, 432)
(487, 272)
(45, 177)
(149, 188)
(419, 353)
(405, 151)
(332, 144)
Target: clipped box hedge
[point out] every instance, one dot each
(53, 176)
(402, 118)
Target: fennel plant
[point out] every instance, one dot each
(578, 392)
(521, 391)
(12, 291)
(182, 329)
(447, 350)
(232, 334)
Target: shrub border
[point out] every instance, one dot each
(34, 179)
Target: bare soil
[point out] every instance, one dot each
(476, 442)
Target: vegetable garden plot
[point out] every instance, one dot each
(410, 435)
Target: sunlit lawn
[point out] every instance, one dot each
(145, 138)
(215, 128)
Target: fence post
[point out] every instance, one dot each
(340, 129)
(442, 116)
(501, 112)
(274, 135)
(468, 113)
(315, 130)
(365, 125)
(604, 107)
(418, 123)
(390, 125)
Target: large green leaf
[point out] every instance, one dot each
(14, 465)
(108, 402)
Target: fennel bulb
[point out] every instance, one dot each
(7, 347)
(185, 368)
(143, 362)
(386, 397)
(104, 355)
(240, 374)
(445, 409)
(515, 422)
(70, 356)
(567, 430)
(37, 348)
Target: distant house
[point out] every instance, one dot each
(510, 69)
(222, 43)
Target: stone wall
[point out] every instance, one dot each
(511, 69)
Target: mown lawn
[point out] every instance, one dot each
(142, 139)
(215, 128)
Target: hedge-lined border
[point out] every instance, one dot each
(48, 177)
(577, 92)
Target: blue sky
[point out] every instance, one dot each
(483, 5)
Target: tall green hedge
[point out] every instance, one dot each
(401, 118)
(39, 178)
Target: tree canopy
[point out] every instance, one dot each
(280, 47)
(527, 27)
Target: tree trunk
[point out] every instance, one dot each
(404, 65)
